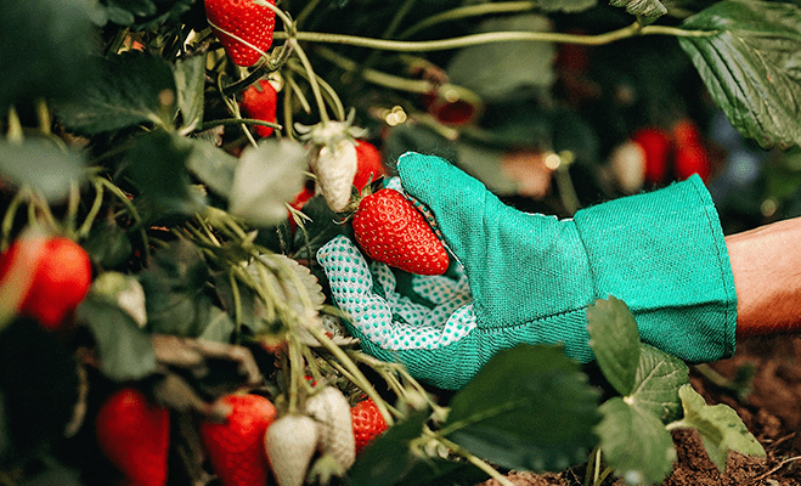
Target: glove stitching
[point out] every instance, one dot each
(723, 263)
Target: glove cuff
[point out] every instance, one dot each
(664, 254)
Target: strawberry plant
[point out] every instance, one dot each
(169, 170)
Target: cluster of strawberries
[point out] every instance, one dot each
(243, 451)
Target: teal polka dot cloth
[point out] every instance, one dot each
(385, 317)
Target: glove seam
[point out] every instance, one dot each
(730, 309)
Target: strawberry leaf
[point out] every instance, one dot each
(635, 443)
(157, 167)
(125, 350)
(42, 166)
(132, 88)
(436, 472)
(212, 166)
(325, 224)
(720, 427)
(494, 71)
(108, 244)
(615, 341)
(749, 64)
(267, 178)
(650, 10)
(656, 385)
(45, 49)
(388, 459)
(219, 328)
(190, 77)
(529, 408)
(174, 286)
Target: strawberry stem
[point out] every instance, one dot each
(357, 377)
(632, 30)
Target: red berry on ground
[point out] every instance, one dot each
(368, 423)
(61, 280)
(260, 102)
(370, 163)
(135, 436)
(391, 230)
(247, 20)
(236, 447)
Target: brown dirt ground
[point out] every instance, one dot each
(770, 407)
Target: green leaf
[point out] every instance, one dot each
(750, 66)
(174, 286)
(132, 88)
(494, 71)
(656, 385)
(219, 328)
(635, 443)
(529, 408)
(212, 166)
(125, 350)
(45, 50)
(325, 224)
(41, 165)
(615, 340)
(190, 77)
(267, 178)
(108, 244)
(720, 427)
(157, 167)
(439, 472)
(388, 459)
(649, 9)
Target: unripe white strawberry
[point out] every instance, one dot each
(335, 165)
(290, 443)
(332, 411)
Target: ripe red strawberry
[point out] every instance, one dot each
(236, 447)
(370, 165)
(135, 436)
(368, 423)
(247, 20)
(686, 132)
(259, 102)
(656, 143)
(61, 279)
(455, 112)
(692, 159)
(390, 230)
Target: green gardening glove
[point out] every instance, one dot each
(532, 277)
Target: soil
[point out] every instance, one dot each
(762, 382)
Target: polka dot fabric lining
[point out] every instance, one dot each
(384, 316)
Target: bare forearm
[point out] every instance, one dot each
(766, 263)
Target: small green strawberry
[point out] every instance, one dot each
(390, 230)
(368, 423)
(247, 20)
